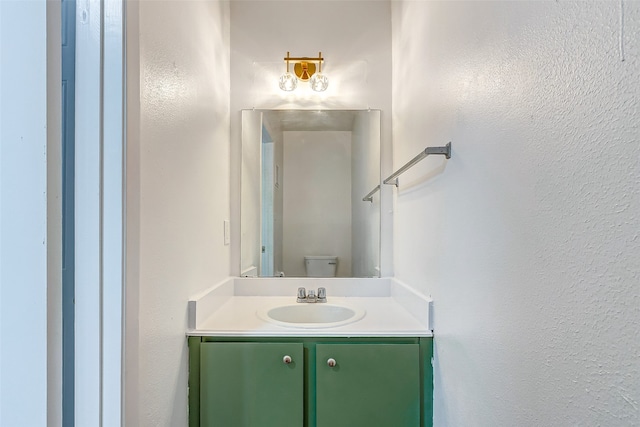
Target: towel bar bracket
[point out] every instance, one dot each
(369, 197)
(446, 150)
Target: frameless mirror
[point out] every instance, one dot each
(305, 175)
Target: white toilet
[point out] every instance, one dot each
(321, 266)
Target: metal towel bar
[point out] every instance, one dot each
(444, 151)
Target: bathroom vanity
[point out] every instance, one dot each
(246, 369)
(302, 381)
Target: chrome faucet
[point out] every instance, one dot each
(311, 297)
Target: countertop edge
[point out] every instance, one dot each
(308, 334)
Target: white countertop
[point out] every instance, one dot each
(230, 308)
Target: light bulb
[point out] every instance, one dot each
(288, 82)
(319, 82)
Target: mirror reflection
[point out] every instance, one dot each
(304, 177)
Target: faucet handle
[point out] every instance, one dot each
(322, 295)
(302, 295)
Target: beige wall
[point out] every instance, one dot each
(252, 192)
(317, 199)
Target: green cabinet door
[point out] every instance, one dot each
(370, 385)
(251, 385)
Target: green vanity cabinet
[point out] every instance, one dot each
(251, 384)
(367, 385)
(327, 382)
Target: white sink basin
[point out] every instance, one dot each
(311, 315)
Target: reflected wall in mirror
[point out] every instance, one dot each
(304, 176)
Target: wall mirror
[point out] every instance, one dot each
(303, 180)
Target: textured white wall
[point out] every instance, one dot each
(528, 238)
(355, 39)
(178, 191)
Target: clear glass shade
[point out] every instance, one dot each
(288, 82)
(319, 82)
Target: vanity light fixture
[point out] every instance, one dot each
(305, 71)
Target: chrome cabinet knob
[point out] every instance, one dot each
(331, 362)
(287, 359)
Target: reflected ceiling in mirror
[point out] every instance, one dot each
(303, 178)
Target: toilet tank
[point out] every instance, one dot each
(321, 266)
